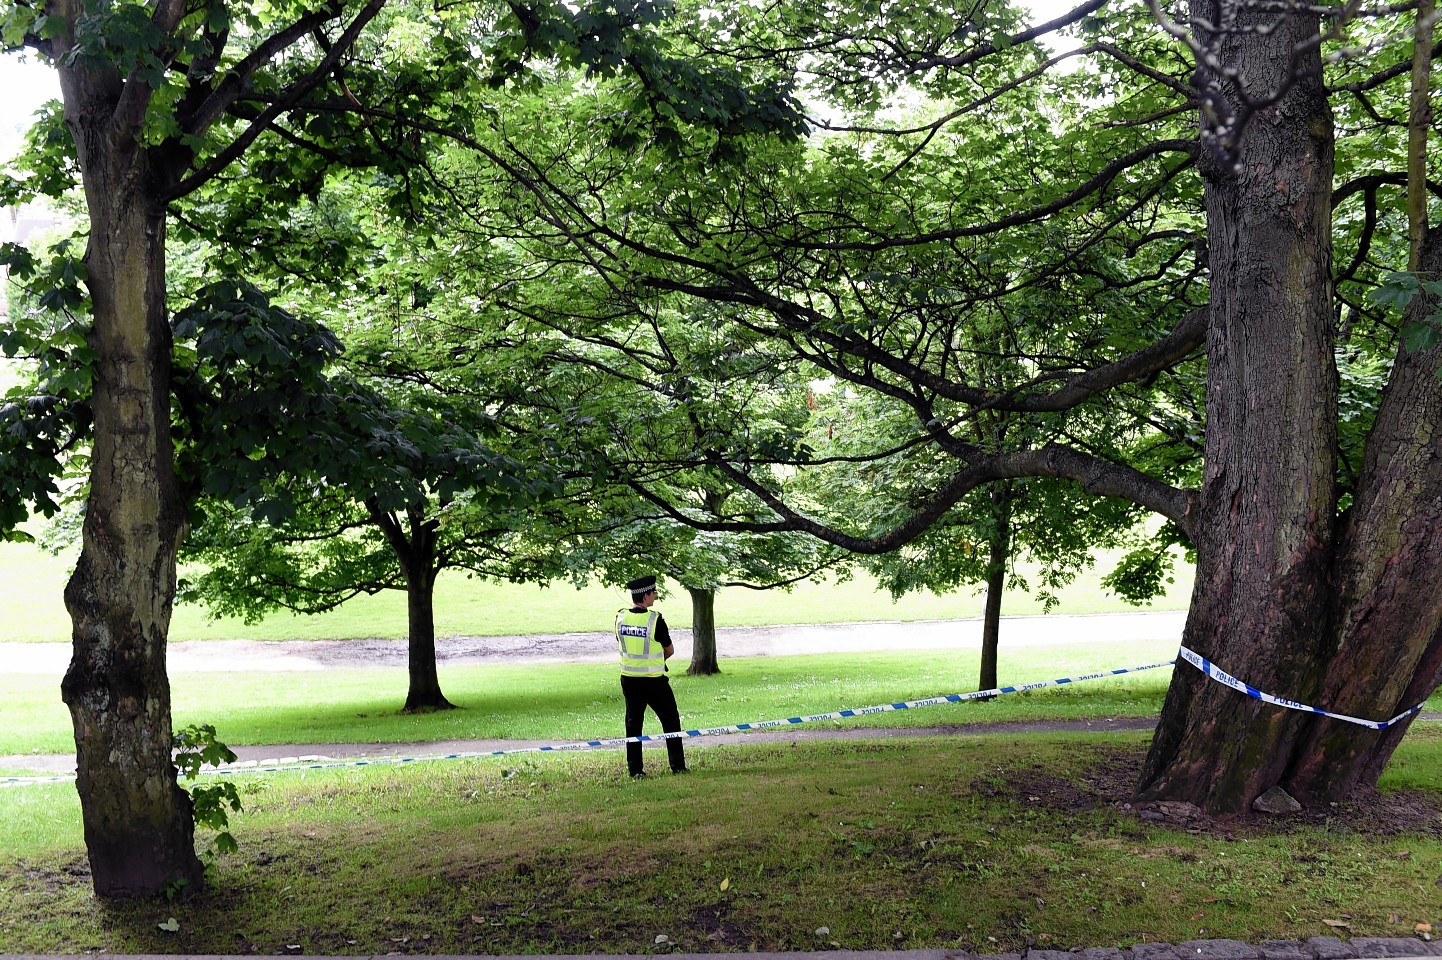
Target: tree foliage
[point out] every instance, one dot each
(1023, 274)
(225, 115)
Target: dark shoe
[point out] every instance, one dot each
(638, 775)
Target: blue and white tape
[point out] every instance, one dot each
(58, 778)
(1201, 663)
(1221, 676)
(645, 738)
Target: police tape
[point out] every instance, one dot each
(1201, 663)
(248, 767)
(1223, 677)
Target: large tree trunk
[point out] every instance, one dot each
(703, 633)
(1350, 622)
(1387, 655)
(1262, 596)
(139, 830)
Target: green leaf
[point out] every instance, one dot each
(22, 17)
(1395, 291)
(1422, 335)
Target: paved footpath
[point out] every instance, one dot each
(269, 755)
(1317, 948)
(1153, 632)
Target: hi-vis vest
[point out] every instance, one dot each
(641, 655)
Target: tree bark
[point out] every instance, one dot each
(414, 540)
(1262, 596)
(424, 692)
(1387, 652)
(996, 564)
(703, 633)
(139, 829)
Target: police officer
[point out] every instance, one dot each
(645, 644)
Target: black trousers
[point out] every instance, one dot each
(653, 692)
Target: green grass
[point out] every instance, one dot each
(973, 843)
(34, 610)
(575, 701)
(581, 701)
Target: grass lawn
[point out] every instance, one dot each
(578, 701)
(985, 844)
(34, 610)
(981, 843)
(582, 701)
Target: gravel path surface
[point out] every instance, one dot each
(196, 656)
(40, 764)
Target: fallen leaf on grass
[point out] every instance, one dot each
(662, 938)
(823, 931)
(725, 884)
(1337, 924)
(171, 925)
(478, 921)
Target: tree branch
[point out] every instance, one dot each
(135, 95)
(1093, 474)
(237, 82)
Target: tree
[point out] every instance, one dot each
(707, 394)
(465, 508)
(434, 490)
(865, 256)
(1308, 584)
(249, 394)
(979, 539)
(133, 162)
(581, 408)
(160, 100)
